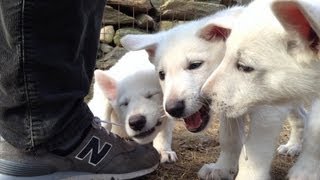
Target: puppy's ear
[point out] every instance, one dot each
(213, 32)
(107, 84)
(149, 42)
(220, 26)
(301, 17)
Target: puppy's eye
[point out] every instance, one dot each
(195, 65)
(244, 68)
(161, 75)
(149, 96)
(124, 104)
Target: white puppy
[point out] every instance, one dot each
(185, 56)
(129, 94)
(183, 59)
(268, 64)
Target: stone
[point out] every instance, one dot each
(105, 48)
(210, 1)
(106, 34)
(188, 10)
(157, 3)
(146, 22)
(124, 31)
(166, 25)
(244, 1)
(111, 58)
(114, 17)
(137, 5)
(229, 2)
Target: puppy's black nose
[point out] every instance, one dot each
(175, 108)
(137, 122)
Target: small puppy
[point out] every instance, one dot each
(129, 94)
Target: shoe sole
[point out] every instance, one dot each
(81, 175)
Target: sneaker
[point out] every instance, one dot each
(101, 155)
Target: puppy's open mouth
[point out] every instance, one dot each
(147, 132)
(199, 120)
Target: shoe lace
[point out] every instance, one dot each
(96, 119)
(98, 123)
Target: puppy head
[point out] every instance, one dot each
(137, 102)
(264, 63)
(184, 57)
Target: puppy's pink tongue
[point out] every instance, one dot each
(193, 122)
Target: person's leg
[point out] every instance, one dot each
(48, 51)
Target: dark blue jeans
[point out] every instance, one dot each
(47, 58)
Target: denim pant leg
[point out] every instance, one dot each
(47, 57)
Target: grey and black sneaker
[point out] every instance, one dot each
(101, 155)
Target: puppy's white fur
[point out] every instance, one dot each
(131, 88)
(306, 15)
(177, 48)
(266, 37)
(174, 51)
(271, 63)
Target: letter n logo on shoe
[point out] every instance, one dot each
(94, 150)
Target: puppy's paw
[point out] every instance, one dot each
(304, 171)
(168, 156)
(290, 149)
(214, 172)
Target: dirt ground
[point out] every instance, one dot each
(194, 150)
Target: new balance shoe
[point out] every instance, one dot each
(101, 155)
